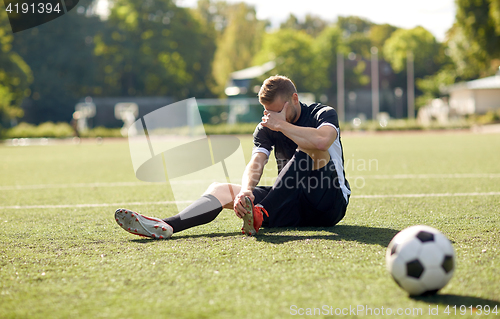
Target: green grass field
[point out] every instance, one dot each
(63, 256)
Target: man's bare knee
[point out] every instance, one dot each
(212, 188)
(224, 192)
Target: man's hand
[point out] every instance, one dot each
(238, 206)
(275, 120)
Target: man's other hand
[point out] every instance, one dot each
(239, 210)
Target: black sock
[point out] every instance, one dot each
(202, 211)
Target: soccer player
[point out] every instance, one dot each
(311, 188)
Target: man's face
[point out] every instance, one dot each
(278, 105)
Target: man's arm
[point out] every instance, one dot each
(309, 138)
(306, 138)
(253, 171)
(251, 177)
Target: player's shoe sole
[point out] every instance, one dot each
(141, 225)
(254, 217)
(248, 228)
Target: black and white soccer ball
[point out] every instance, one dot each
(421, 260)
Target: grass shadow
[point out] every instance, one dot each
(457, 300)
(176, 237)
(363, 234)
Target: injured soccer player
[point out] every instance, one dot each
(310, 191)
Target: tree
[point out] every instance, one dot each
(154, 48)
(326, 46)
(480, 22)
(432, 86)
(312, 25)
(353, 24)
(474, 40)
(59, 54)
(215, 15)
(426, 51)
(15, 75)
(238, 44)
(469, 59)
(379, 33)
(293, 51)
(356, 44)
(359, 43)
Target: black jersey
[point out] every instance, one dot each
(314, 115)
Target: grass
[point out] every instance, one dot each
(75, 262)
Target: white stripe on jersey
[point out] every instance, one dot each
(335, 151)
(261, 150)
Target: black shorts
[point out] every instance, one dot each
(321, 206)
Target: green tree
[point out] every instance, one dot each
(480, 22)
(215, 14)
(426, 51)
(474, 40)
(379, 33)
(353, 24)
(312, 25)
(469, 59)
(432, 86)
(359, 43)
(59, 54)
(326, 46)
(15, 75)
(154, 48)
(238, 44)
(296, 58)
(356, 44)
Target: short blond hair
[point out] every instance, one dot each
(276, 85)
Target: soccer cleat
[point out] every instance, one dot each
(252, 220)
(141, 225)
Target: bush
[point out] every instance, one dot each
(102, 131)
(47, 129)
(403, 125)
(222, 129)
(489, 118)
(56, 130)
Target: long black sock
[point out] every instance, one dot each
(202, 211)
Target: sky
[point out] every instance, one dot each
(437, 16)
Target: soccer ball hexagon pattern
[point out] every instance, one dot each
(421, 260)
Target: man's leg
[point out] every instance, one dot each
(293, 176)
(323, 205)
(206, 208)
(284, 199)
(202, 211)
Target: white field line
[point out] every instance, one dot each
(131, 184)
(117, 205)
(79, 185)
(424, 176)
(94, 205)
(426, 195)
(92, 185)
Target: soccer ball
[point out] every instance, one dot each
(421, 260)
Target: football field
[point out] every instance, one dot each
(63, 256)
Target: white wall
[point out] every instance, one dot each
(462, 101)
(487, 100)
